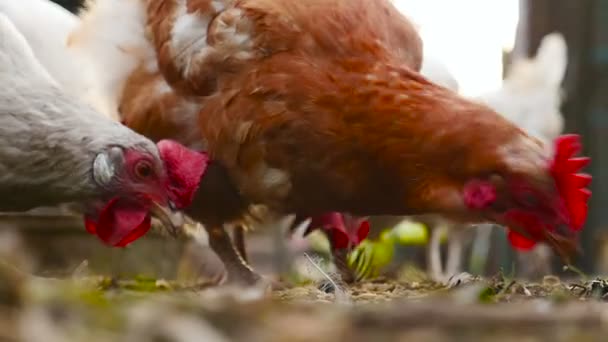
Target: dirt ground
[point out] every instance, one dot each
(142, 309)
(68, 300)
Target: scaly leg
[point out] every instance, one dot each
(454, 260)
(434, 253)
(481, 248)
(340, 257)
(237, 269)
(200, 264)
(239, 241)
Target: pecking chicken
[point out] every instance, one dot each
(530, 98)
(56, 149)
(311, 107)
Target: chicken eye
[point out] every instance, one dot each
(143, 170)
(530, 200)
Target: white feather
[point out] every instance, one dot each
(46, 26)
(112, 38)
(530, 95)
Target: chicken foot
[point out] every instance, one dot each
(238, 236)
(238, 271)
(340, 258)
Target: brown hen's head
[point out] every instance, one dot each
(544, 202)
(142, 184)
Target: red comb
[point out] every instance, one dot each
(341, 238)
(572, 186)
(184, 169)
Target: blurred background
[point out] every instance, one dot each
(477, 42)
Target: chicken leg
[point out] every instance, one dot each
(454, 257)
(238, 236)
(238, 271)
(434, 263)
(340, 257)
(456, 240)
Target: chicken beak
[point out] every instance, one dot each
(172, 219)
(565, 247)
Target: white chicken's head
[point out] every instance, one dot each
(132, 172)
(139, 181)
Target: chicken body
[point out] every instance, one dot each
(47, 27)
(435, 71)
(311, 107)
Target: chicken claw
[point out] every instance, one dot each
(238, 270)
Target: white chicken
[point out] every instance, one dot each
(55, 149)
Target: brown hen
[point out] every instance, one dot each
(316, 106)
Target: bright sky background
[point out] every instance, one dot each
(468, 36)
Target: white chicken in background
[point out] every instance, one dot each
(531, 93)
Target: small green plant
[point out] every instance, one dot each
(370, 257)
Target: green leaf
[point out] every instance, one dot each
(411, 233)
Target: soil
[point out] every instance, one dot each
(96, 308)
(71, 300)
